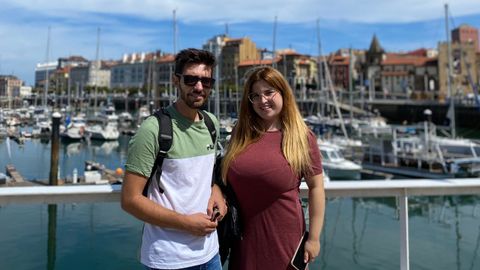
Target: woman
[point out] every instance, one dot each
(271, 149)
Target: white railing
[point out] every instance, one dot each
(401, 189)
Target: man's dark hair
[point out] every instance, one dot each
(193, 56)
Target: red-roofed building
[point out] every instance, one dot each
(299, 70)
(235, 51)
(339, 70)
(339, 65)
(394, 75)
(413, 71)
(164, 68)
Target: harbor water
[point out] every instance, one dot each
(359, 233)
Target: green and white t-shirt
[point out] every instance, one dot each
(186, 181)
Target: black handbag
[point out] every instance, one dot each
(229, 228)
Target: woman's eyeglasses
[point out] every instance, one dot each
(268, 95)
(192, 80)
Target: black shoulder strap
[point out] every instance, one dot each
(165, 138)
(213, 133)
(211, 127)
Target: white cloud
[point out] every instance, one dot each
(366, 11)
(145, 25)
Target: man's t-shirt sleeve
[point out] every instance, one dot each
(143, 148)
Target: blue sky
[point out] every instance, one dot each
(146, 25)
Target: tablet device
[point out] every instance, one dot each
(297, 260)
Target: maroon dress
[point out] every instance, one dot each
(268, 194)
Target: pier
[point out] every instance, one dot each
(14, 174)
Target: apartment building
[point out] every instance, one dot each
(41, 72)
(406, 73)
(466, 34)
(465, 68)
(165, 66)
(233, 53)
(10, 86)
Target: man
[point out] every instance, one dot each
(178, 230)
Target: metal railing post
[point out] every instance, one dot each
(404, 246)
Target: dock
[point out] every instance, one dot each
(107, 174)
(14, 174)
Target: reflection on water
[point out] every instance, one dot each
(32, 159)
(52, 236)
(358, 234)
(365, 233)
(82, 236)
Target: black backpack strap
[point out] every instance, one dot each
(213, 134)
(165, 138)
(209, 123)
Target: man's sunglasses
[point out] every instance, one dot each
(191, 80)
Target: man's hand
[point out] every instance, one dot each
(217, 200)
(199, 224)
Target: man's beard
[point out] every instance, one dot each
(189, 102)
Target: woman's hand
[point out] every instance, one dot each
(312, 249)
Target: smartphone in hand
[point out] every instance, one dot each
(298, 260)
(215, 214)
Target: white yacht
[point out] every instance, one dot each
(335, 165)
(125, 118)
(75, 129)
(42, 126)
(105, 126)
(102, 132)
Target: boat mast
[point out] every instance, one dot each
(174, 32)
(350, 83)
(451, 109)
(218, 49)
(329, 85)
(47, 57)
(274, 64)
(171, 71)
(320, 69)
(96, 69)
